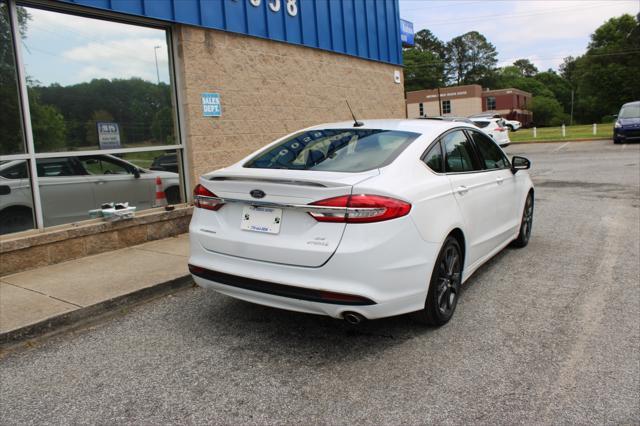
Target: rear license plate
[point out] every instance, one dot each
(261, 219)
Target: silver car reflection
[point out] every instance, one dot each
(71, 186)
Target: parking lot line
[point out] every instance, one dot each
(560, 147)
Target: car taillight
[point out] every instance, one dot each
(205, 199)
(360, 208)
(499, 129)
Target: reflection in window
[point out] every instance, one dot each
(459, 153)
(11, 139)
(433, 158)
(16, 202)
(96, 84)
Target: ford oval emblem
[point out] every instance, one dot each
(256, 193)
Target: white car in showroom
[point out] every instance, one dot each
(71, 186)
(494, 127)
(360, 221)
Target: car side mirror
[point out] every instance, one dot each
(136, 172)
(519, 163)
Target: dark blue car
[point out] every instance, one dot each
(627, 127)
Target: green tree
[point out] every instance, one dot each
(422, 70)
(91, 127)
(547, 111)
(48, 125)
(606, 76)
(560, 87)
(526, 68)
(162, 126)
(470, 58)
(11, 140)
(426, 41)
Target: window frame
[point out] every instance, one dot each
(493, 99)
(448, 103)
(476, 157)
(30, 154)
(421, 109)
(479, 153)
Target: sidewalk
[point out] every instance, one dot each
(42, 300)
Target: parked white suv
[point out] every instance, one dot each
(513, 125)
(494, 127)
(71, 186)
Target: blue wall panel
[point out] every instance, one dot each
(366, 28)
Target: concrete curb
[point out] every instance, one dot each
(559, 141)
(70, 320)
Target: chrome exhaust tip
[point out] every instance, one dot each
(353, 318)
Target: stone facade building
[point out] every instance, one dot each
(125, 87)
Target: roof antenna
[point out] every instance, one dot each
(356, 123)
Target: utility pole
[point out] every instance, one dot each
(155, 53)
(571, 118)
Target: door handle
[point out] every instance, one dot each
(499, 180)
(462, 190)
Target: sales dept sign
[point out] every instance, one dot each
(108, 135)
(211, 105)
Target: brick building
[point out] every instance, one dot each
(469, 100)
(171, 88)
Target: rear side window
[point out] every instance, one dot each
(55, 167)
(492, 156)
(481, 124)
(459, 154)
(19, 171)
(433, 158)
(337, 150)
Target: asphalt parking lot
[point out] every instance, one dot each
(545, 334)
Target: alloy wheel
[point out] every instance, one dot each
(449, 275)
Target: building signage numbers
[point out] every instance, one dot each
(275, 5)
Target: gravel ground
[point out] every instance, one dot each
(545, 334)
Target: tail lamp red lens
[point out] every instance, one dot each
(205, 199)
(361, 208)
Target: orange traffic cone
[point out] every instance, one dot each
(161, 198)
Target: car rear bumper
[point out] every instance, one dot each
(379, 270)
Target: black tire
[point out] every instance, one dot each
(617, 141)
(15, 220)
(173, 195)
(444, 288)
(525, 224)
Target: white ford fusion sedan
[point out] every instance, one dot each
(360, 220)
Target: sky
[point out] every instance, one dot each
(543, 31)
(67, 49)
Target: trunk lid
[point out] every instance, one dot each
(300, 239)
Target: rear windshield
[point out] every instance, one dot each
(336, 150)
(481, 124)
(630, 111)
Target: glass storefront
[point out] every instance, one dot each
(11, 134)
(100, 112)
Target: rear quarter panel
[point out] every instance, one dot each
(433, 207)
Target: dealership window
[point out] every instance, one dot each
(421, 107)
(446, 107)
(98, 101)
(491, 103)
